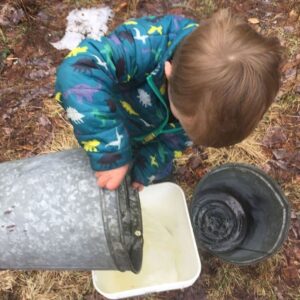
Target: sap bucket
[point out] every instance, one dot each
(54, 216)
(170, 257)
(239, 214)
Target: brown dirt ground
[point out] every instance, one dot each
(32, 123)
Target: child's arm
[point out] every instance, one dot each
(85, 84)
(95, 71)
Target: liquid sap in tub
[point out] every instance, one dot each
(159, 259)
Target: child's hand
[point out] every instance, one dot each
(137, 186)
(111, 179)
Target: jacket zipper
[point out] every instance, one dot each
(153, 134)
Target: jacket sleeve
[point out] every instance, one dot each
(84, 87)
(154, 160)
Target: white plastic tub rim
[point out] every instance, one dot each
(167, 201)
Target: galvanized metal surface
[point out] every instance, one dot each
(51, 216)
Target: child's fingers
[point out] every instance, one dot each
(113, 183)
(115, 179)
(137, 186)
(111, 179)
(102, 181)
(98, 174)
(108, 182)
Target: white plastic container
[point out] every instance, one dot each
(164, 209)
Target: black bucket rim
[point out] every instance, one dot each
(273, 185)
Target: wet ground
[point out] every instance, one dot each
(29, 123)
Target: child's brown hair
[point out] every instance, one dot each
(228, 74)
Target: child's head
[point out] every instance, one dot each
(224, 77)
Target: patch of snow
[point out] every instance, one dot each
(82, 23)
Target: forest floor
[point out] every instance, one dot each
(31, 123)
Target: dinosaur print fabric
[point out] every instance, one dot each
(113, 90)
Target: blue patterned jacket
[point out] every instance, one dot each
(114, 93)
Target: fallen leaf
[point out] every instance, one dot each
(38, 74)
(290, 65)
(43, 16)
(293, 16)
(253, 21)
(267, 168)
(120, 6)
(297, 253)
(8, 131)
(287, 159)
(289, 29)
(280, 154)
(195, 162)
(279, 296)
(182, 170)
(200, 173)
(293, 214)
(295, 230)
(285, 165)
(279, 16)
(290, 273)
(274, 135)
(290, 74)
(10, 15)
(44, 121)
(277, 172)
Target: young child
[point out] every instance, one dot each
(137, 97)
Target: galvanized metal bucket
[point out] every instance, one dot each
(54, 216)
